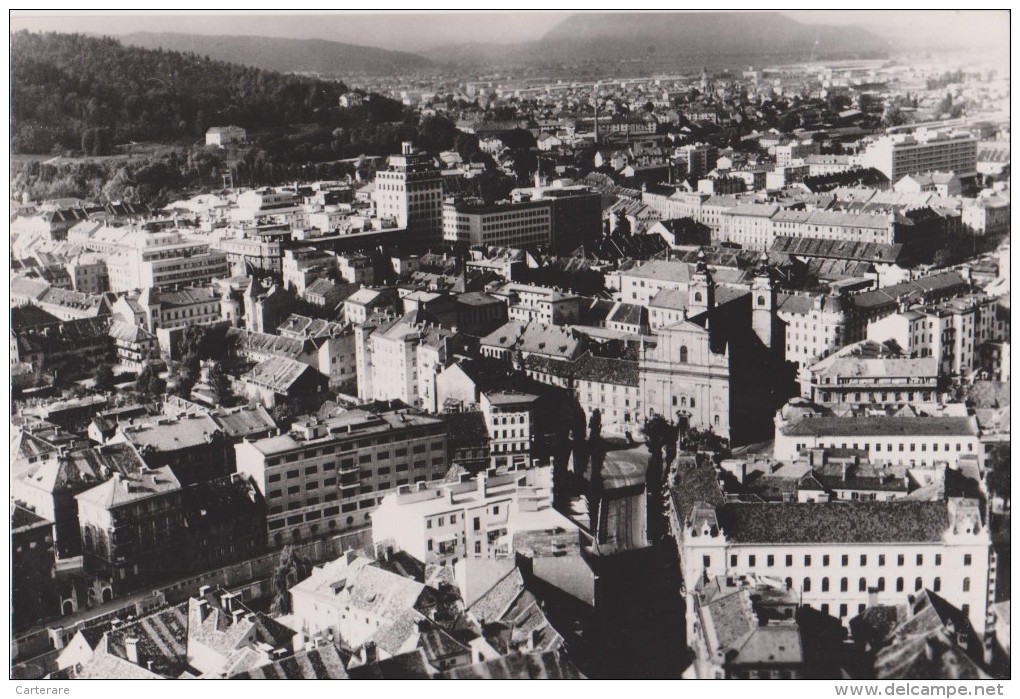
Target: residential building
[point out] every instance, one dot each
(33, 588)
(133, 344)
(88, 273)
(73, 305)
(611, 386)
(356, 268)
(516, 338)
(328, 475)
(870, 374)
(279, 380)
(132, 530)
(743, 628)
(225, 135)
(476, 518)
(304, 265)
(508, 418)
(74, 348)
(529, 302)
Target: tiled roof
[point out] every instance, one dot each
(837, 249)
(243, 421)
(533, 666)
(872, 426)
(171, 434)
(123, 489)
(925, 645)
(406, 666)
(834, 522)
(606, 370)
(188, 296)
(276, 373)
(943, 283)
(320, 663)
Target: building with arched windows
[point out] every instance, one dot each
(721, 368)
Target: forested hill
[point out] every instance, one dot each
(77, 92)
(287, 55)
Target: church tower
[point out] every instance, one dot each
(701, 288)
(763, 302)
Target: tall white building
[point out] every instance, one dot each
(410, 190)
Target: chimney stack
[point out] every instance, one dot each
(131, 649)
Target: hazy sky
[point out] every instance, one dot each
(415, 32)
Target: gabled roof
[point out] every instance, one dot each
(278, 374)
(926, 644)
(123, 489)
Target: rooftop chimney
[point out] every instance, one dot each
(131, 649)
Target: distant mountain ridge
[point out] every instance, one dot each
(701, 35)
(285, 55)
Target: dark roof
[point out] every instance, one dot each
(696, 482)
(530, 666)
(837, 249)
(834, 522)
(882, 425)
(932, 286)
(406, 666)
(23, 317)
(606, 370)
(466, 428)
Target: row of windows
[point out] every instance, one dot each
(826, 559)
(889, 447)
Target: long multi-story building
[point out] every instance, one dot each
(161, 260)
(914, 441)
(328, 475)
(897, 155)
(516, 225)
(410, 191)
(838, 557)
(867, 373)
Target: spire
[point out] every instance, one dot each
(702, 265)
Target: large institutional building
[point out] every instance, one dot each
(840, 558)
(923, 151)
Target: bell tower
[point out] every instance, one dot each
(763, 302)
(701, 288)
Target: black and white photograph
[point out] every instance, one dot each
(536, 344)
